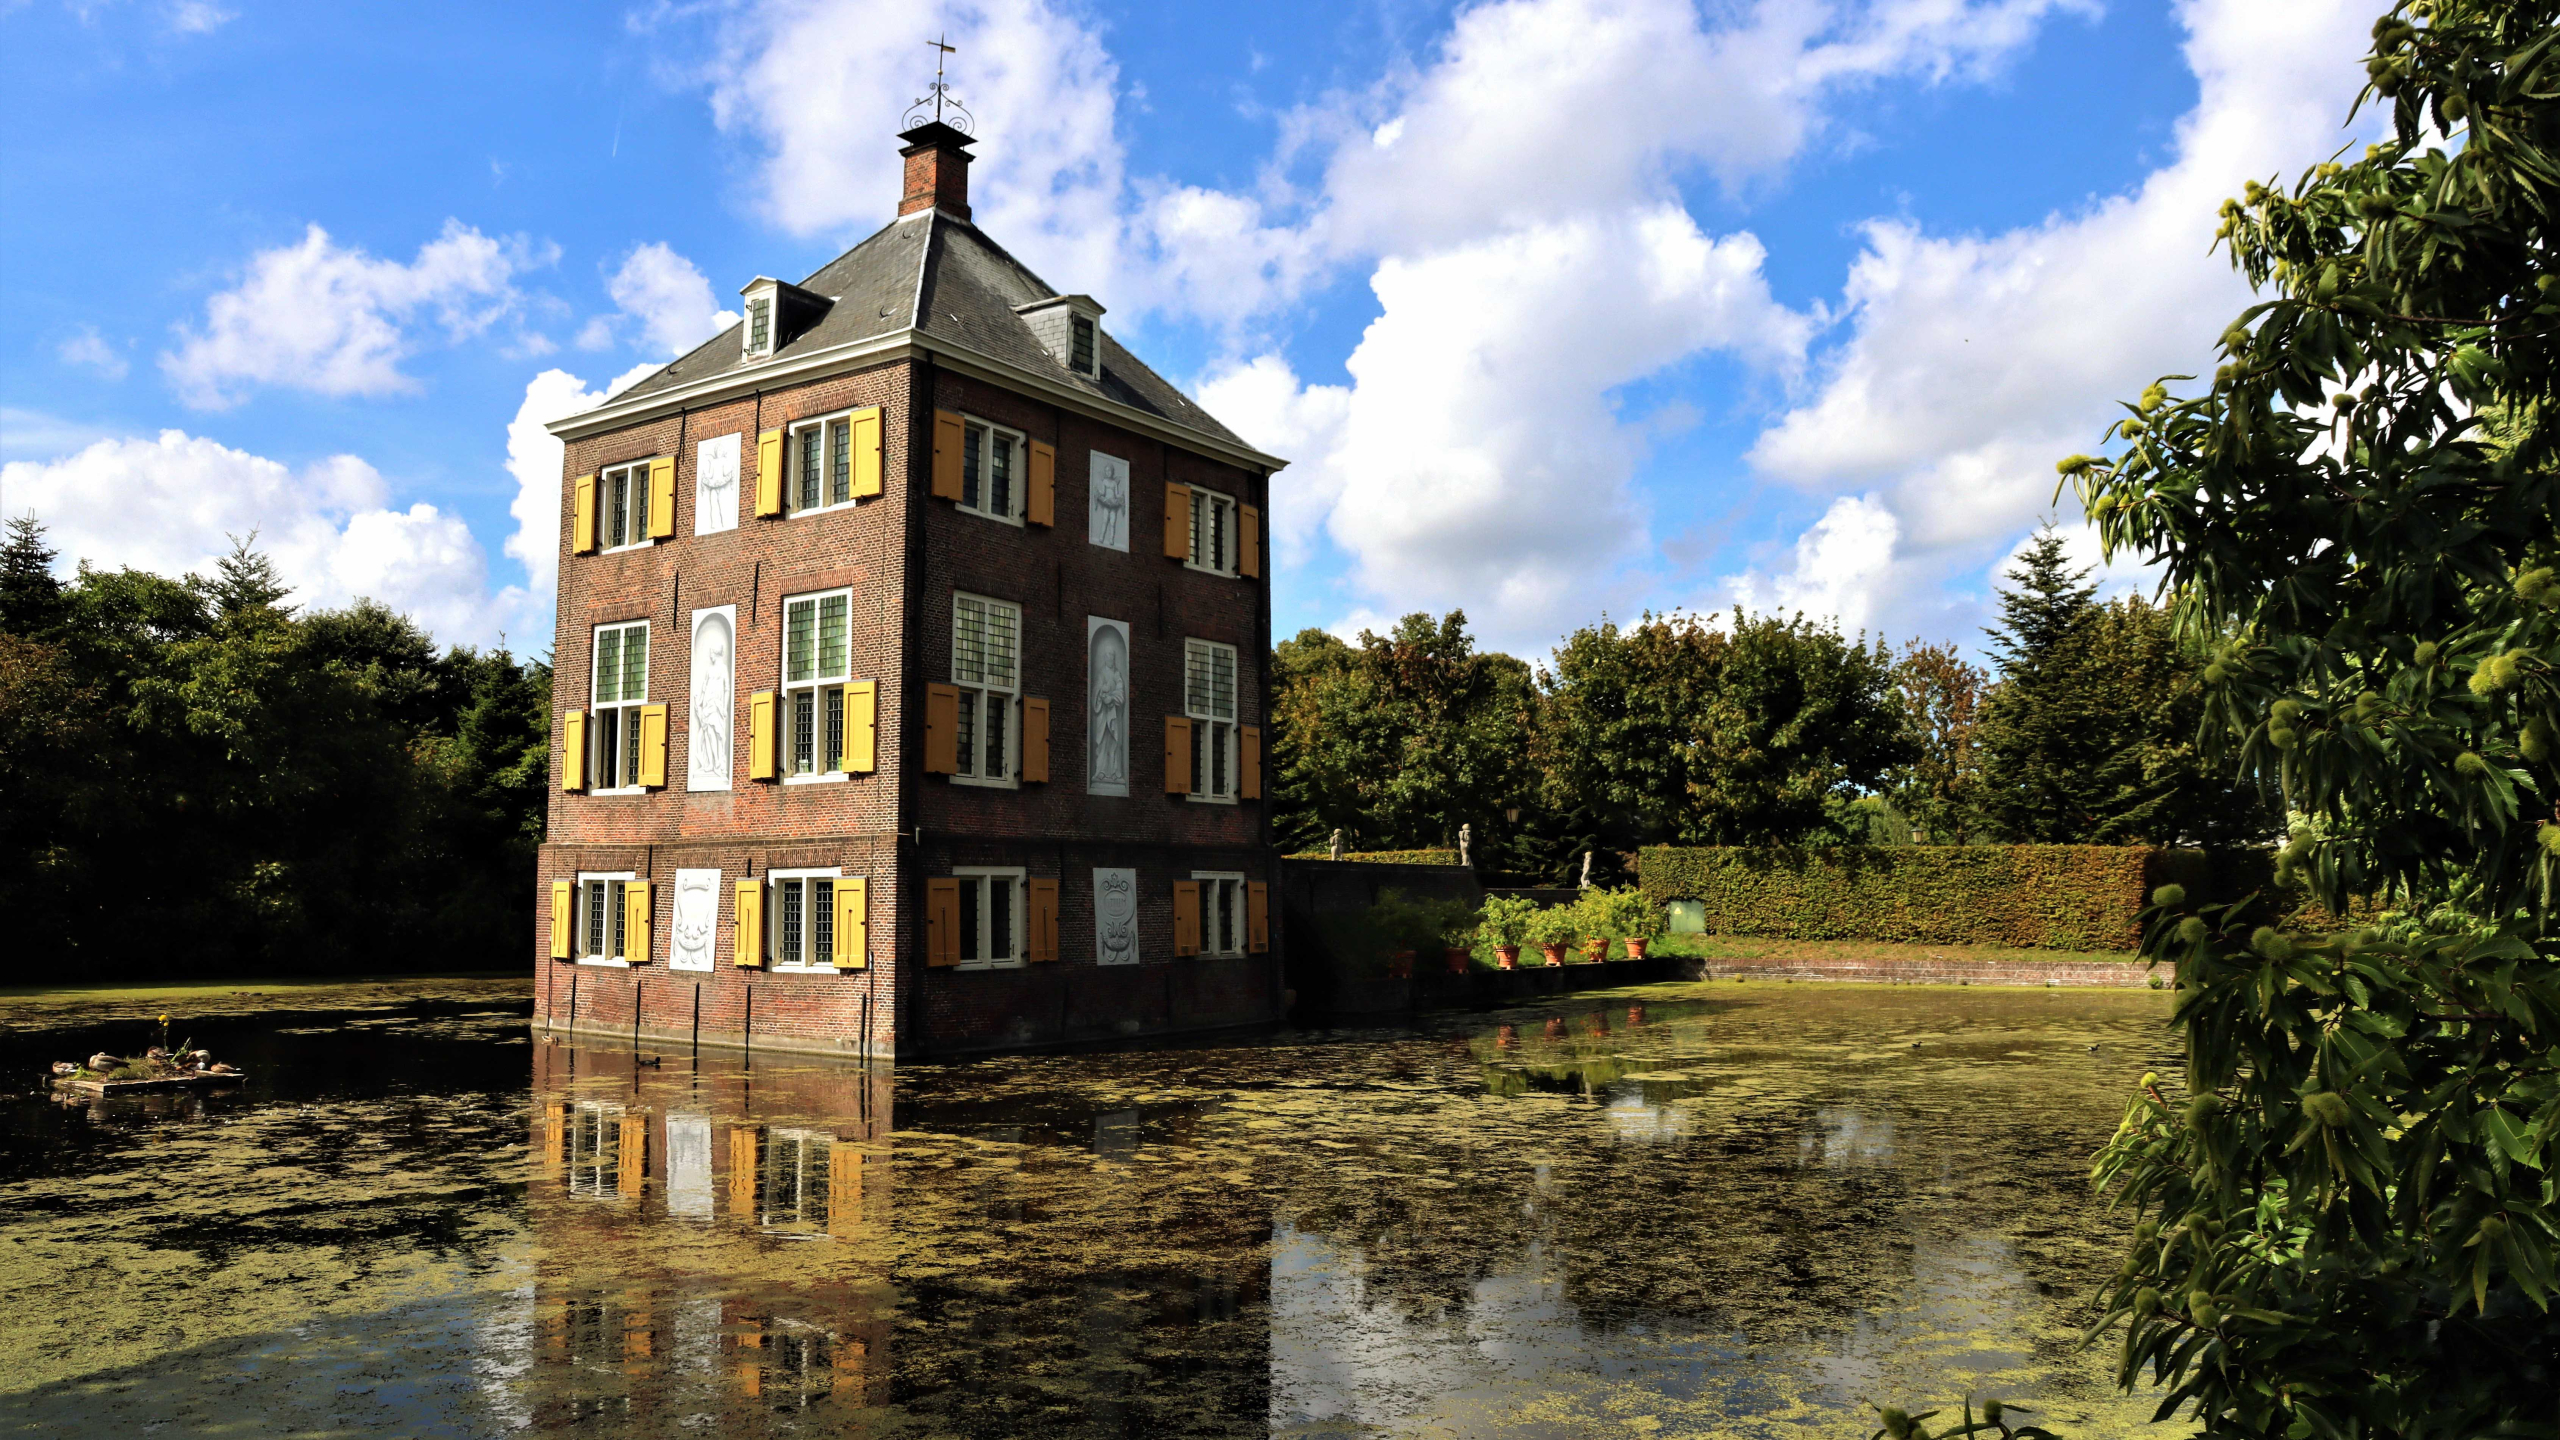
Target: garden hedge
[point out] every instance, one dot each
(1386, 857)
(2061, 897)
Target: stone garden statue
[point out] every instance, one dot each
(1586, 869)
(1337, 845)
(1466, 835)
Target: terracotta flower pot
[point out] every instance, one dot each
(1554, 953)
(1635, 948)
(1459, 958)
(1595, 949)
(1509, 955)
(1400, 965)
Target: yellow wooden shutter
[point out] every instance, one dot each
(653, 745)
(1250, 742)
(1177, 755)
(769, 473)
(853, 924)
(1044, 483)
(1249, 542)
(862, 727)
(942, 922)
(1177, 522)
(950, 445)
(662, 498)
(1186, 917)
(760, 735)
(563, 909)
(573, 750)
(942, 729)
(1035, 741)
(866, 452)
(636, 913)
(748, 929)
(1257, 916)
(582, 515)
(1044, 920)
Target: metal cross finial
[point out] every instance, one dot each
(946, 110)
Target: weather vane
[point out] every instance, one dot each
(946, 110)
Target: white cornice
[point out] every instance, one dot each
(900, 345)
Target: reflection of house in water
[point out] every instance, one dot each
(710, 1241)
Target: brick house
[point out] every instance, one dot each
(909, 677)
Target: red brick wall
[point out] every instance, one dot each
(903, 554)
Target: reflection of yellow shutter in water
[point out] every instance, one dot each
(573, 750)
(635, 921)
(633, 1143)
(742, 1172)
(662, 499)
(862, 727)
(853, 924)
(844, 1194)
(561, 907)
(748, 925)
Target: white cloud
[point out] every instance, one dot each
(32, 434)
(91, 351)
(1840, 564)
(1972, 363)
(1476, 459)
(668, 295)
(167, 505)
(199, 17)
(535, 459)
(332, 319)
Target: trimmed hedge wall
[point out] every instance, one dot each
(1385, 857)
(2060, 897)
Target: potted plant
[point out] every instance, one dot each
(1635, 919)
(1395, 919)
(1552, 929)
(1458, 944)
(1506, 926)
(1591, 922)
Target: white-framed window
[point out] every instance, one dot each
(986, 667)
(603, 921)
(1213, 532)
(991, 916)
(816, 653)
(1222, 913)
(995, 471)
(800, 918)
(622, 501)
(759, 337)
(1209, 698)
(819, 465)
(621, 688)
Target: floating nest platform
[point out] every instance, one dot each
(207, 1080)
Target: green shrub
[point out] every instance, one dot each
(1385, 857)
(1555, 925)
(1626, 914)
(1507, 919)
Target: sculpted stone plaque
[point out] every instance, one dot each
(1107, 514)
(715, 485)
(1115, 917)
(1106, 720)
(715, 652)
(697, 918)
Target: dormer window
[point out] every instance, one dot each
(759, 326)
(1070, 328)
(777, 314)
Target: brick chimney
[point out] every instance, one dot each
(937, 169)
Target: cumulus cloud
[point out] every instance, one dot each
(91, 351)
(535, 459)
(667, 295)
(1840, 565)
(168, 504)
(1476, 457)
(1971, 363)
(333, 319)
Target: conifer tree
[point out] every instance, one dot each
(2046, 741)
(246, 579)
(30, 597)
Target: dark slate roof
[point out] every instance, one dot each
(968, 293)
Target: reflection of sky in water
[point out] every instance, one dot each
(1736, 1217)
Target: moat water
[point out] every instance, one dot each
(1678, 1210)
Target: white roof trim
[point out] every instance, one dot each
(776, 373)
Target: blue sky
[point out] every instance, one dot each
(1560, 306)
